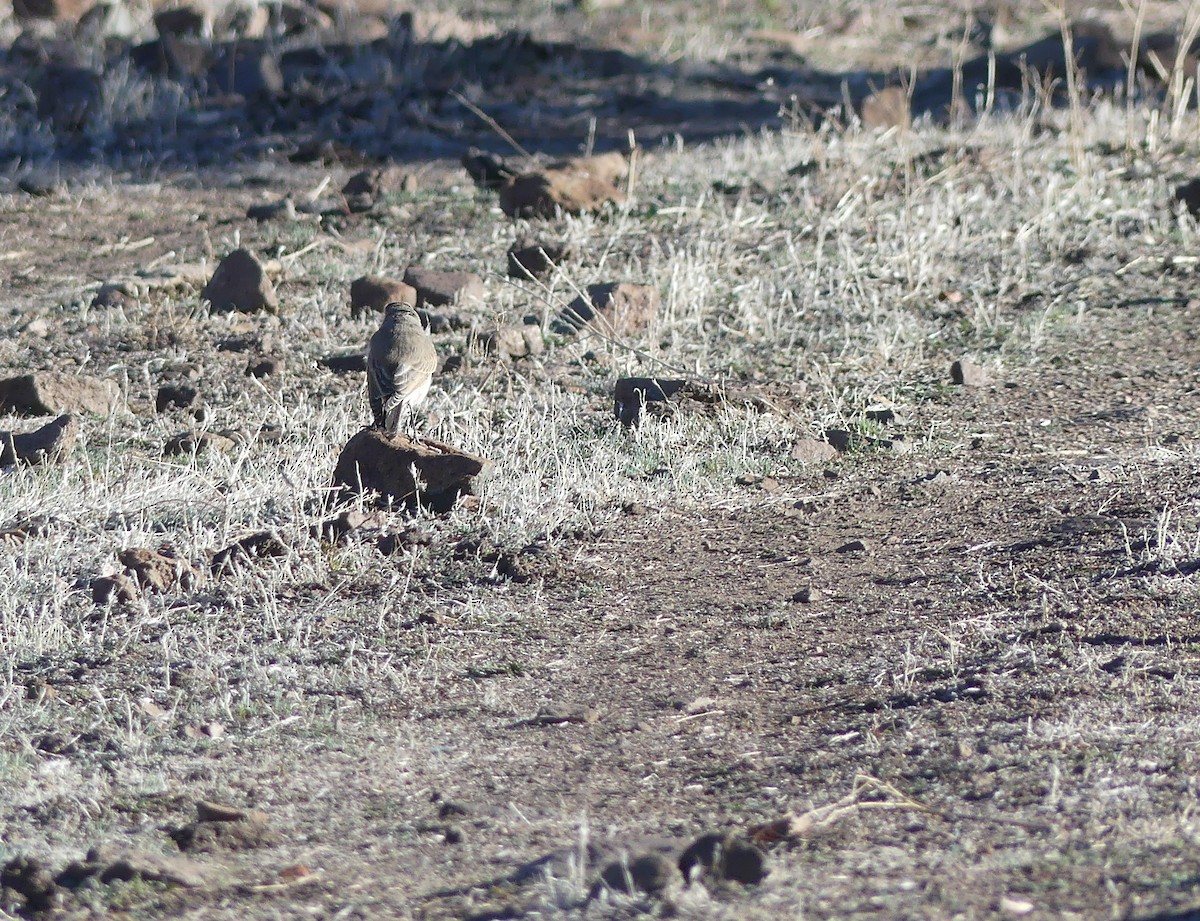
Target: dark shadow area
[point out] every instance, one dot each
(319, 95)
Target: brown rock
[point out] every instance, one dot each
(242, 834)
(118, 588)
(813, 451)
(345, 362)
(508, 341)
(240, 283)
(374, 292)
(198, 443)
(264, 366)
(966, 373)
(284, 209)
(619, 308)
(159, 570)
(176, 396)
(650, 873)
(546, 193)
(181, 21)
(532, 259)
(406, 471)
(209, 811)
(439, 289)
(48, 444)
(723, 857)
(170, 869)
(364, 189)
(113, 295)
(888, 108)
(59, 10)
(45, 393)
(259, 546)
(1188, 194)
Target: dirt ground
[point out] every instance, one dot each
(955, 660)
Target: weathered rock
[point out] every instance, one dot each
(118, 588)
(181, 21)
(261, 366)
(508, 341)
(198, 443)
(172, 870)
(45, 393)
(284, 210)
(439, 289)
(549, 192)
(723, 857)
(176, 396)
(1188, 195)
(32, 881)
(616, 308)
(363, 190)
(650, 873)
(242, 834)
(210, 811)
(240, 283)
(58, 10)
(374, 292)
(405, 471)
(533, 259)
(813, 451)
(113, 295)
(663, 396)
(258, 546)
(159, 571)
(966, 373)
(48, 444)
(488, 170)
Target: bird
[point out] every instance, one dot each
(401, 360)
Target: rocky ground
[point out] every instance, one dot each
(805, 520)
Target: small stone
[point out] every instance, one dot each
(209, 811)
(650, 873)
(284, 209)
(439, 289)
(172, 870)
(723, 857)
(345, 362)
(1014, 906)
(181, 22)
(618, 308)
(363, 190)
(49, 444)
(159, 570)
(176, 396)
(839, 439)
(264, 366)
(486, 169)
(802, 595)
(853, 546)
(813, 451)
(240, 283)
(966, 373)
(258, 546)
(197, 443)
(372, 293)
(45, 393)
(238, 835)
(533, 259)
(508, 341)
(1188, 195)
(118, 588)
(113, 295)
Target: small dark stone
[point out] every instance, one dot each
(175, 396)
(966, 373)
(853, 546)
(649, 873)
(264, 366)
(723, 857)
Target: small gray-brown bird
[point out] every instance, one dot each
(400, 365)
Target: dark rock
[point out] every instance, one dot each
(259, 546)
(372, 293)
(345, 362)
(68, 96)
(180, 21)
(31, 881)
(439, 289)
(1188, 194)
(240, 283)
(248, 70)
(113, 295)
(169, 869)
(45, 393)
(284, 209)
(405, 471)
(49, 444)
(615, 308)
(839, 439)
(650, 873)
(532, 259)
(723, 857)
(487, 170)
(176, 396)
(264, 366)
(197, 443)
(247, 833)
(363, 190)
(966, 373)
(853, 546)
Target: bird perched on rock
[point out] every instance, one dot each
(400, 365)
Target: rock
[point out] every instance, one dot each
(487, 170)
(176, 396)
(345, 362)
(651, 873)
(547, 193)
(197, 443)
(664, 396)
(67, 96)
(240, 283)
(840, 440)
(440, 289)
(533, 259)
(616, 308)
(631, 393)
(966, 373)
(47, 393)
(258, 546)
(209, 811)
(284, 209)
(723, 857)
(560, 714)
(852, 546)
(159, 571)
(508, 341)
(181, 22)
(172, 870)
(363, 190)
(406, 471)
(118, 588)
(887, 108)
(374, 292)
(249, 70)
(113, 295)
(41, 185)
(49, 444)
(1188, 195)
(264, 366)
(29, 879)
(241, 834)
(813, 451)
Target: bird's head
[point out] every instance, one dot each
(400, 309)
